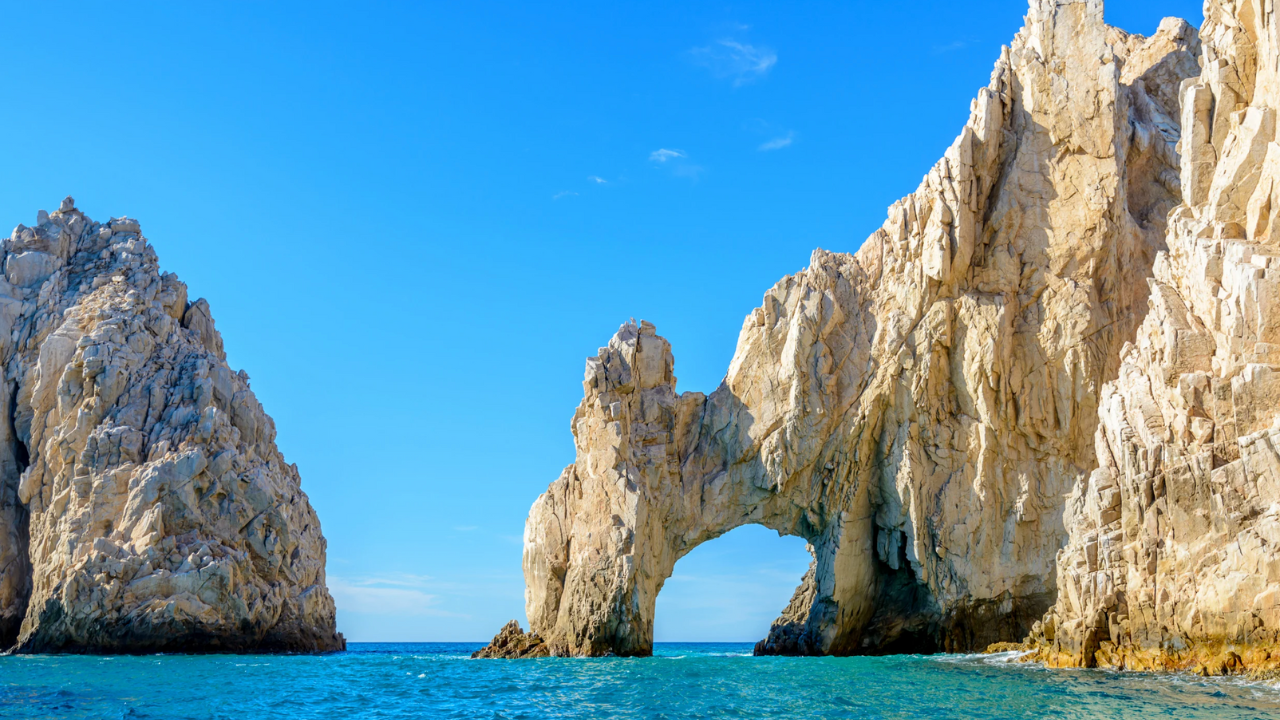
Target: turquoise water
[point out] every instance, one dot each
(683, 680)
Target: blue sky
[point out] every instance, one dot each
(414, 221)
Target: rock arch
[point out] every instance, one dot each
(919, 410)
(606, 535)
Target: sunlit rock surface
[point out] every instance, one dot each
(1174, 556)
(143, 504)
(917, 411)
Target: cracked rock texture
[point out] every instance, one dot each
(1173, 557)
(144, 506)
(917, 411)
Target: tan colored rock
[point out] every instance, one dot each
(144, 506)
(513, 643)
(917, 411)
(1172, 560)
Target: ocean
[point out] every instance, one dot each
(682, 680)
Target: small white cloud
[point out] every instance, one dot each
(950, 47)
(732, 59)
(675, 159)
(400, 595)
(778, 143)
(664, 155)
(563, 193)
(597, 179)
(751, 59)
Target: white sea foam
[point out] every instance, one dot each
(1006, 657)
(1268, 691)
(988, 658)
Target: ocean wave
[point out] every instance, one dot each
(1000, 658)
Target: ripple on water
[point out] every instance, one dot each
(709, 681)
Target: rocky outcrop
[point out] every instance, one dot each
(1172, 561)
(917, 411)
(144, 506)
(513, 643)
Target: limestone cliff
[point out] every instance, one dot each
(1172, 560)
(144, 506)
(918, 410)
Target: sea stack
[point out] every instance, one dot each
(144, 506)
(917, 411)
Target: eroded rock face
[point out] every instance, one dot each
(144, 506)
(1172, 561)
(917, 411)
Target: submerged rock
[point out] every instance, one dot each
(1172, 561)
(917, 411)
(144, 506)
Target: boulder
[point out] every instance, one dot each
(513, 643)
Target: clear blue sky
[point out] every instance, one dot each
(415, 220)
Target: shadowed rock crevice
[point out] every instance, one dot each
(15, 526)
(907, 617)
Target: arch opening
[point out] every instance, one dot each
(730, 589)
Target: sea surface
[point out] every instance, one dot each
(682, 680)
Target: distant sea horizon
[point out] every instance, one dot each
(681, 679)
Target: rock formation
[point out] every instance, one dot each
(918, 410)
(144, 506)
(513, 643)
(1172, 561)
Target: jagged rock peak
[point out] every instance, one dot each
(144, 506)
(916, 411)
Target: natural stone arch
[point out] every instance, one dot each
(606, 535)
(919, 410)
